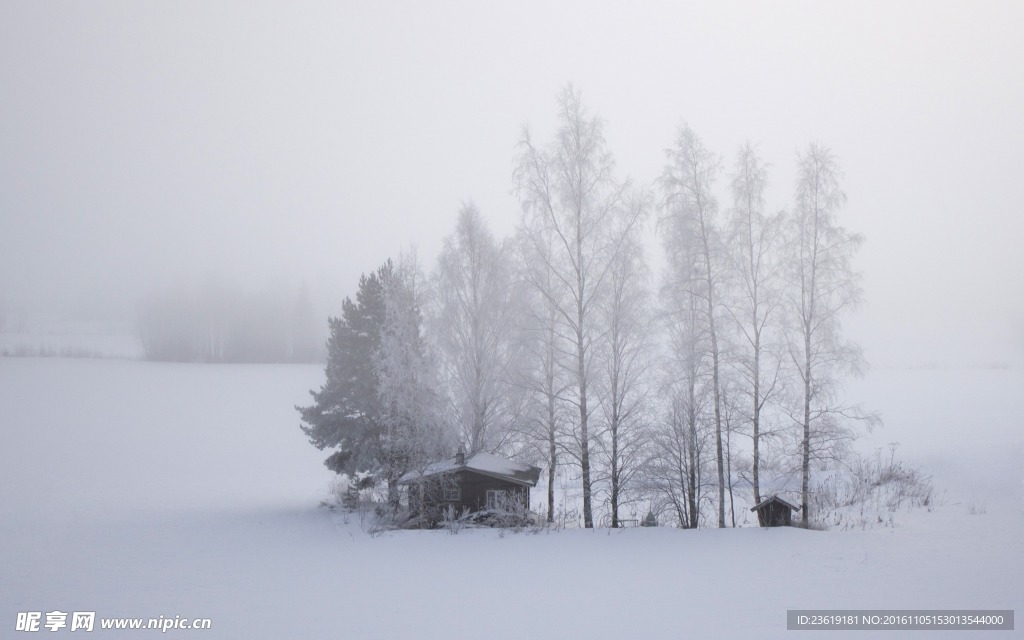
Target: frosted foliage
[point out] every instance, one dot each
(476, 305)
(414, 432)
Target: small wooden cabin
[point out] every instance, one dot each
(774, 512)
(478, 483)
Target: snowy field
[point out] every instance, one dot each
(138, 490)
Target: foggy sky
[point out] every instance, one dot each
(145, 144)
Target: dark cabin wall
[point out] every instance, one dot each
(774, 515)
(473, 492)
(475, 486)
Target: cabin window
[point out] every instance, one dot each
(495, 498)
(452, 494)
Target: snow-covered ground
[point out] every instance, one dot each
(140, 489)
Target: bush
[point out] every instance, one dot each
(872, 484)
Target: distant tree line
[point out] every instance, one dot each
(216, 322)
(715, 381)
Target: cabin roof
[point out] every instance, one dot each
(483, 463)
(777, 499)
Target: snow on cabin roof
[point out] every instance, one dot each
(774, 499)
(485, 463)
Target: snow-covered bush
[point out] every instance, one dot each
(869, 484)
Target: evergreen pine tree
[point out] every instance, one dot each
(346, 414)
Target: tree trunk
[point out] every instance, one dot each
(728, 468)
(588, 519)
(552, 458)
(615, 470)
(691, 493)
(806, 453)
(757, 410)
(393, 495)
(718, 409)
(551, 482)
(581, 371)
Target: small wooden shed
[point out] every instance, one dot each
(774, 512)
(479, 483)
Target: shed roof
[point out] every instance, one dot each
(483, 463)
(777, 499)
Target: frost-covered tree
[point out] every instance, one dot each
(680, 443)
(573, 203)
(730, 422)
(413, 432)
(379, 409)
(625, 361)
(346, 412)
(696, 256)
(475, 314)
(754, 241)
(822, 285)
(544, 374)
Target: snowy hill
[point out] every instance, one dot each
(140, 490)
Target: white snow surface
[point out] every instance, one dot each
(139, 489)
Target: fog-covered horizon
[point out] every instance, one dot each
(272, 145)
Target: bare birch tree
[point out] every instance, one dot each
(754, 239)
(678, 454)
(691, 210)
(474, 324)
(625, 362)
(822, 286)
(544, 374)
(572, 201)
